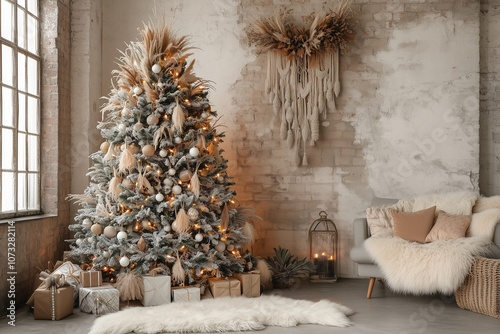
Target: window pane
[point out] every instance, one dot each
(7, 15)
(33, 191)
(21, 3)
(21, 151)
(21, 191)
(7, 65)
(7, 191)
(7, 149)
(22, 112)
(21, 30)
(33, 6)
(32, 35)
(7, 107)
(32, 115)
(21, 71)
(32, 76)
(32, 153)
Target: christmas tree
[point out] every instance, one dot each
(160, 193)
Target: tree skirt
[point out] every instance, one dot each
(440, 266)
(223, 315)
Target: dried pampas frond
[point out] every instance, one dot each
(160, 134)
(181, 222)
(178, 117)
(81, 198)
(111, 154)
(142, 181)
(178, 273)
(114, 189)
(266, 276)
(101, 210)
(224, 218)
(195, 184)
(127, 161)
(130, 285)
(201, 142)
(249, 231)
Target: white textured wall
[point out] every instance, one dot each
(408, 114)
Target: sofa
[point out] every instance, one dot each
(366, 266)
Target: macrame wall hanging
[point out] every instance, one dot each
(303, 70)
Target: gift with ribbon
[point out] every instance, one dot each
(225, 287)
(250, 284)
(53, 300)
(186, 294)
(71, 273)
(99, 300)
(90, 278)
(156, 288)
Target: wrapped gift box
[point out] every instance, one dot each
(225, 287)
(99, 300)
(189, 294)
(156, 290)
(53, 303)
(71, 273)
(250, 284)
(90, 278)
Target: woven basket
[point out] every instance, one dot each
(480, 291)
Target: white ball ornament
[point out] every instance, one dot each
(178, 140)
(168, 182)
(152, 120)
(124, 261)
(122, 127)
(79, 242)
(159, 197)
(198, 237)
(122, 235)
(126, 112)
(163, 153)
(90, 240)
(87, 223)
(106, 254)
(204, 115)
(167, 228)
(156, 68)
(138, 126)
(148, 150)
(220, 179)
(193, 213)
(137, 90)
(96, 229)
(194, 151)
(172, 171)
(104, 147)
(220, 247)
(109, 232)
(176, 189)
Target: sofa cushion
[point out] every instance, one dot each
(449, 227)
(380, 220)
(486, 203)
(413, 226)
(457, 203)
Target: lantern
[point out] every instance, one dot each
(323, 244)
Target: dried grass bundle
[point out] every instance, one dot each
(81, 199)
(130, 285)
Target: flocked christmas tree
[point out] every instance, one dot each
(159, 194)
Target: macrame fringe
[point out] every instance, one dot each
(127, 160)
(181, 222)
(224, 218)
(178, 273)
(130, 285)
(178, 117)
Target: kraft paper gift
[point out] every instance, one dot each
(250, 284)
(99, 300)
(156, 290)
(53, 303)
(90, 278)
(189, 294)
(225, 287)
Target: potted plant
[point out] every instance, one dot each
(285, 268)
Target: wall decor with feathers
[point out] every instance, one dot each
(303, 70)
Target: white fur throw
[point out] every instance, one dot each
(485, 203)
(458, 203)
(415, 268)
(223, 315)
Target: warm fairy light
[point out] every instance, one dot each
(224, 239)
(196, 226)
(189, 186)
(186, 100)
(323, 254)
(112, 280)
(147, 198)
(105, 268)
(148, 167)
(142, 206)
(331, 257)
(149, 224)
(166, 117)
(233, 252)
(183, 247)
(316, 256)
(179, 87)
(137, 227)
(215, 139)
(180, 182)
(158, 172)
(201, 87)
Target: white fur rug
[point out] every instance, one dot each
(439, 266)
(223, 315)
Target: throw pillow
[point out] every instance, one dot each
(449, 227)
(380, 221)
(459, 203)
(485, 203)
(484, 223)
(413, 226)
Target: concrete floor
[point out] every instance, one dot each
(386, 312)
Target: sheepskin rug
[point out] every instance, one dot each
(223, 315)
(436, 267)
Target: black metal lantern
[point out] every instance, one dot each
(323, 244)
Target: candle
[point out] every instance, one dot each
(322, 265)
(331, 267)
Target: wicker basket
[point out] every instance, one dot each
(481, 289)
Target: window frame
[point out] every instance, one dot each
(16, 50)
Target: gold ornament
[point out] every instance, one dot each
(193, 213)
(96, 229)
(148, 150)
(185, 175)
(104, 147)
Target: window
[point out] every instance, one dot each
(19, 108)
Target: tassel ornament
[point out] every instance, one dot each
(195, 184)
(181, 222)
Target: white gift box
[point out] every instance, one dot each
(71, 273)
(99, 299)
(189, 294)
(156, 290)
